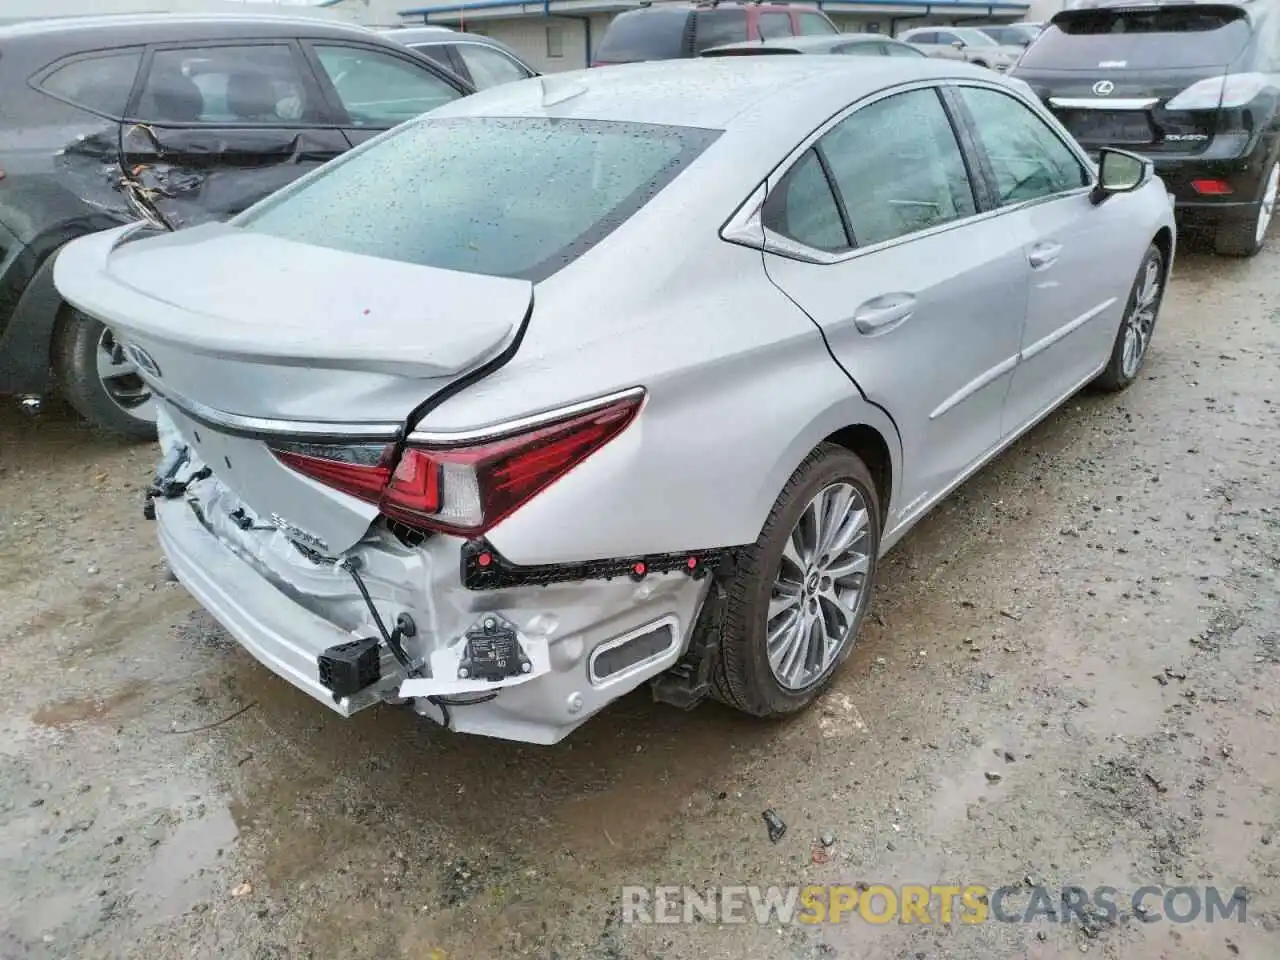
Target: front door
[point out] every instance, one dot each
(374, 89)
(1078, 259)
(921, 299)
(218, 126)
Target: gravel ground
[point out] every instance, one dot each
(1071, 674)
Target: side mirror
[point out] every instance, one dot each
(958, 44)
(1119, 172)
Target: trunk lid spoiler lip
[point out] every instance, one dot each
(84, 277)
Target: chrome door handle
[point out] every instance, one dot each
(882, 314)
(1044, 255)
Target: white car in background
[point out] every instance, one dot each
(963, 43)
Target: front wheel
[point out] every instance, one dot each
(1137, 325)
(99, 380)
(802, 589)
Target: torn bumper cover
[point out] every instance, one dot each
(526, 662)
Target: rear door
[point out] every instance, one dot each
(215, 127)
(920, 296)
(373, 89)
(1146, 78)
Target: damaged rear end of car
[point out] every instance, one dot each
(301, 499)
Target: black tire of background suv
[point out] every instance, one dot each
(1112, 378)
(75, 361)
(1239, 238)
(742, 678)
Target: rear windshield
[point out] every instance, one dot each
(644, 35)
(1142, 39)
(506, 197)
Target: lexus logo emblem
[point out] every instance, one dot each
(143, 360)
(1103, 88)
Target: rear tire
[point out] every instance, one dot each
(1137, 325)
(828, 600)
(1246, 238)
(98, 380)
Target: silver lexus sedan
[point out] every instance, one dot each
(621, 376)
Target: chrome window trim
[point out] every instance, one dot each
(1103, 103)
(454, 438)
(746, 228)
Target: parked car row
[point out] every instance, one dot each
(179, 120)
(625, 376)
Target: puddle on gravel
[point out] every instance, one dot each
(181, 872)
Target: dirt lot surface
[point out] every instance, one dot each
(1072, 675)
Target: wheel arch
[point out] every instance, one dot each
(860, 427)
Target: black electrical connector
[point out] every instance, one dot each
(405, 627)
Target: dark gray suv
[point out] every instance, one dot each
(175, 120)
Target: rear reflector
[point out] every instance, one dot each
(464, 489)
(1211, 188)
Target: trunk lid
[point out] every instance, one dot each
(1113, 75)
(234, 328)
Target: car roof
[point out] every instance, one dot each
(167, 27)
(426, 36)
(819, 43)
(711, 92)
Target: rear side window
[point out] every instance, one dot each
(804, 209)
(929, 37)
(773, 25)
(649, 34)
(900, 50)
(101, 84)
(455, 192)
(437, 52)
(711, 28)
(377, 89)
(259, 84)
(861, 49)
(490, 67)
(1170, 37)
(898, 167)
(814, 24)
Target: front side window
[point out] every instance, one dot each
(711, 28)
(506, 197)
(774, 25)
(898, 167)
(377, 89)
(259, 84)
(489, 67)
(804, 209)
(101, 84)
(814, 25)
(1028, 159)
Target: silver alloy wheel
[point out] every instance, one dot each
(1141, 319)
(1268, 206)
(818, 594)
(120, 380)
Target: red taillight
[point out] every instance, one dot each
(362, 471)
(466, 489)
(1211, 188)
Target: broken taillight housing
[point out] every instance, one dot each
(463, 488)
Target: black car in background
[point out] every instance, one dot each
(174, 120)
(1191, 85)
